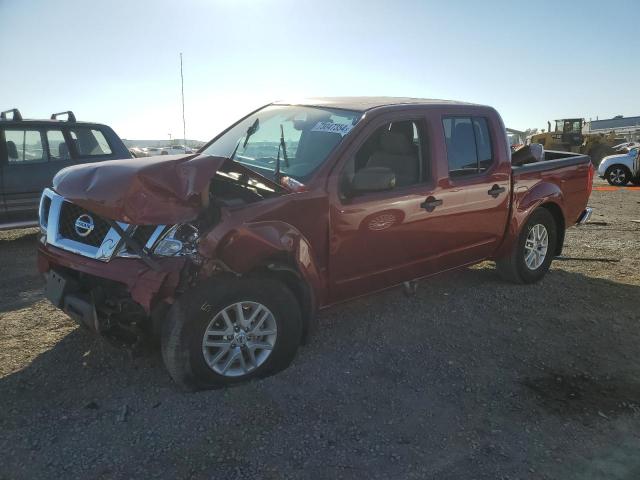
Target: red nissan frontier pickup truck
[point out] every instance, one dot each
(227, 254)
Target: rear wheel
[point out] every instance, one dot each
(230, 331)
(617, 175)
(532, 254)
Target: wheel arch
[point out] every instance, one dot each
(543, 195)
(278, 250)
(555, 210)
(285, 270)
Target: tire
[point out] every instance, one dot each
(199, 311)
(514, 267)
(617, 175)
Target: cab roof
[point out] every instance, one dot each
(362, 104)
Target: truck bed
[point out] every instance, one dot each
(552, 160)
(564, 177)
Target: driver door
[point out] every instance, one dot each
(378, 239)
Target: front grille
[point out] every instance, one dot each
(69, 213)
(143, 233)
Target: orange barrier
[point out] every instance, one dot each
(614, 189)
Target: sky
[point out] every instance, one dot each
(117, 62)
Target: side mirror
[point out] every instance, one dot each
(373, 179)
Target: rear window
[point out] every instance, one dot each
(24, 146)
(58, 149)
(468, 143)
(89, 142)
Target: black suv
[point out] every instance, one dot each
(33, 151)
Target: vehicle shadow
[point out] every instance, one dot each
(20, 283)
(580, 325)
(466, 346)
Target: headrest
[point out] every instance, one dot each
(63, 150)
(393, 142)
(405, 128)
(12, 150)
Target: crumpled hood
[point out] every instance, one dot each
(145, 191)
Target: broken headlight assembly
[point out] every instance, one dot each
(179, 240)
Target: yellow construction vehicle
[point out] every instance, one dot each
(568, 137)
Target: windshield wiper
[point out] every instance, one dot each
(250, 131)
(282, 146)
(231, 157)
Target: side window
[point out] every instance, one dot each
(89, 142)
(24, 146)
(58, 149)
(395, 148)
(468, 144)
(483, 143)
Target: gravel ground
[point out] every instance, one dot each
(469, 378)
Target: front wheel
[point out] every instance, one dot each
(618, 175)
(230, 331)
(534, 250)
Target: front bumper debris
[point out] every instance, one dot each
(585, 216)
(146, 286)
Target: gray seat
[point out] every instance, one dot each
(12, 150)
(396, 153)
(63, 151)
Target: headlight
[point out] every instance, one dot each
(180, 240)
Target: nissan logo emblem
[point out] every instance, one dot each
(84, 225)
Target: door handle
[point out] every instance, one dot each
(496, 190)
(430, 204)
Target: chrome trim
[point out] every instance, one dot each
(103, 253)
(585, 216)
(155, 236)
(124, 253)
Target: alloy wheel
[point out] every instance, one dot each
(239, 338)
(535, 246)
(618, 176)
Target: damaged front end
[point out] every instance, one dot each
(120, 239)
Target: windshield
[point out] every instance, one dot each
(569, 126)
(309, 134)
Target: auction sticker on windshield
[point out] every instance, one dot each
(341, 128)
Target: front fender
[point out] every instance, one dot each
(257, 244)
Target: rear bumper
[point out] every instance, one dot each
(585, 216)
(146, 287)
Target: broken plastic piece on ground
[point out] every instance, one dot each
(587, 259)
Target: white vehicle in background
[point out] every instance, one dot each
(152, 151)
(625, 147)
(622, 168)
(177, 150)
(168, 150)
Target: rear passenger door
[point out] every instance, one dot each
(24, 171)
(474, 184)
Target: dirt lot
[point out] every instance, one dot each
(470, 378)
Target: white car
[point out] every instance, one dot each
(625, 147)
(621, 169)
(176, 150)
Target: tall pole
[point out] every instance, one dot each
(184, 128)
